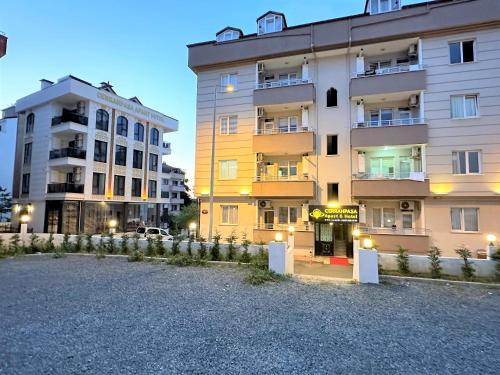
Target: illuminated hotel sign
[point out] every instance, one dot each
(341, 214)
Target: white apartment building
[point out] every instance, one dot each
(86, 157)
(172, 186)
(391, 116)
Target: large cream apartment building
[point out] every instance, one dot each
(394, 112)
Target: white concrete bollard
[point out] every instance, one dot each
(490, 250)
(365, 265)
(23, 231)
(280, 258)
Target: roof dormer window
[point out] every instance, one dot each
(271, 22)
(229, 33)
(383, 6)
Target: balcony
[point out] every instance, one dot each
(165, 195)
(166, 149)
(68, 152)
(389, 80)
(69, 123)
(284, 91)
(412, 185)
(3, 44)
(276, 142)
(283, 187)
(406, 131)
(55, 188)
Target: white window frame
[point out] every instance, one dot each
(464, 97)
(289, 121)
(228, 79)
(461, 42)
(467, 171)
(288, 215)
(227, 36)
(462, 220)
(225, 125)
(289, 165)
(378, 10)
(262, 24)
(382, 217)
(227, 220)
(228, 170)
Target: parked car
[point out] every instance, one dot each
(153, 232)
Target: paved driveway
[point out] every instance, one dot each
(80, 315)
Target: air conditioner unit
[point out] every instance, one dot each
(260, 111)
(260, 157)
(77, 174)
(260, 67)
(413, 101)
(406, 205)
(416, 152)
(264, 204)
(412, 50)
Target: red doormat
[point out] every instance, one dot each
(339, 261)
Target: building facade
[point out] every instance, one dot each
(172, 187)
(87, 158)
(395, 111)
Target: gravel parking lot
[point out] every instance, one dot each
(79, 315)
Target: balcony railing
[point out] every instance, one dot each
(415, 176)
(282, 83)
(65, 188)
(69, 116)
(68, 152)
(263, 178)
(281, 131)
(395, 230)
(400, 68)
(285, 227)
(165, 194)
(395, 122)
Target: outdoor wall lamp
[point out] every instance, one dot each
(25, 218)
(356, 233)
(291, 229)
(367, 243)
(491, 238)
(278, 237)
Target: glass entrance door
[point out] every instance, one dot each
(323, 243)
(269, 219)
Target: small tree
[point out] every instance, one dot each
(34, 242)
(189, 248)
(79, 243)
(496, 258)
(111, 245)
(215, 249)
(5, 203)
(159, 247)
(435, 262)
(176, 242)
(150, 249)
(245, 243)
(468, 270)
(49, 245)
(89, 246)
(15, 246)
(124, 245)
(2, 248)
(202, 250)
(261, 260)
(403, 260)
(231, 248)
(101, 247)
(135, 243)
(65, 245)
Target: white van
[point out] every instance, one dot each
(153, 232)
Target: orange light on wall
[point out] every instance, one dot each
(441, 189)
(109, 195)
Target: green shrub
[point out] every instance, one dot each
(34, 243)
(231, 247)
(496, 258)
(176, 242)
(59, 252)
(111, 244)
(468, 270)
(261, 260)
(135, 243)
(78, 243)
(136, 256)
(202, 250)
(89, 246)
(258, 276)
(124, 245)
(403, 260)
(49, 244)
(65, 244)
(101, 248)
(189, 248)
(245, 255)
(150, 248)
(15, 245)
(215, 249)
(184, 260)
(159, 246)
(435, 262)
(3, 250)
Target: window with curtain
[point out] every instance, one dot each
(228, 125)
(122, 126)
(383, 217)
(229, 215)
(100, 151)
(139, 132)
(98, 183)
(464, 106)
(465, 219)
(101, 120)
(288, 215)
(466, 162)
(119, 185)
(152, 189)
(288, 124)
(155, 137)
(227, 169)
(136, 187)
(228, 80)
(30, 123)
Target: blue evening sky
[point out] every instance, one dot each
(138, 46)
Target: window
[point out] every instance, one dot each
(174, 207)
(407, 220)
(466, 162)
(98, 183)
(30, 123)
(270, 24)
(288, 124)
(384, 217)
(25, 188)
(288, 215)
(332, 145)
(100, 151)
(136, 187)
(153, 162)
(287, 78)
(227, 169)
(331, 97)
(380, 117)
(27, 153)
(287, 170)
(382, 6)
(382, 167)
(333, 192)
(155, 137)
(137, 159)
(139, 132)
(465, 219)
(462, 52)
(152, 189)
(229, 80)
(228, 35)
(228, 125)
(122, 126)
(101, 120)
(464, 106)
(229, 215)
(119, 185)
(120, 155)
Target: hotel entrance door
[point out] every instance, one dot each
(333, 239)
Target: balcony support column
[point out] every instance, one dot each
(421, 106)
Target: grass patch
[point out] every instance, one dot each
(258, 276)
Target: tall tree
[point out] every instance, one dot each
(5, 203)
